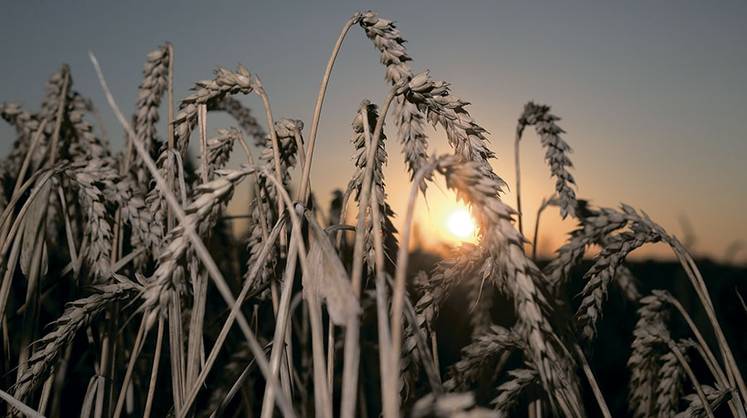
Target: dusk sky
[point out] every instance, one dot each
(653, 95)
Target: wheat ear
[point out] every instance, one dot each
(602, 272)
(77, 315)
(556, 154)
(509, 392)
(409, 121)
(484, 346)
(643, 356)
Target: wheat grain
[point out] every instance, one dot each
(409, 121)
(91, 147)
(593, 228)
(263, 206)
(150, 92)
(220, 147)
(556, 152)
(468, 139)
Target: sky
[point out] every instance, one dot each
(652, 94)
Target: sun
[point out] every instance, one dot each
(460, 224)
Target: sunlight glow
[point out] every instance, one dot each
(460, 224)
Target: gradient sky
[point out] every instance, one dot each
(652, 94)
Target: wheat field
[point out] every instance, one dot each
(124, 292)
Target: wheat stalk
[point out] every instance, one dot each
(156, 295)
(604, 269)
(92, 180)
(409, 121)
(265, 201)
(518, 277)
(696, 408)
(476, 355)
(77, 315)
(643, 357)
(150, 92)
(226, 82)
(669, 382)
(385, 212)
(243, 117)
(556, 154)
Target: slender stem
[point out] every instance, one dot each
(535, 240)
(320, 102)
(68, 229)
(592, 382)
(689, 371)
(170, 136)
(235, 309)
(22, 407)
(234, 389)
(154, 370)
(732, 370)
(320, 380)
(136, 348)
(517, 164)
(197, 319)
(401, 271)
(708, 356)
(303, 192)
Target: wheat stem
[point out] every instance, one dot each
(320, 102)
(134, 354)
(22, 407)
(220, 340)
(689, 371)
(592, 382)
(154, 370)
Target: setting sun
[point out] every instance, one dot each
(460, 224)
